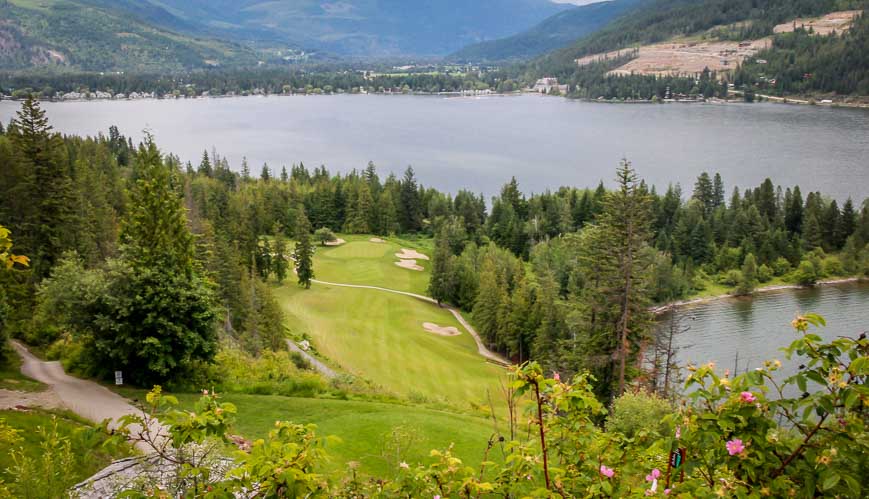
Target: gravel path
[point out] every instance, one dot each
(89, 400)
(314, 361)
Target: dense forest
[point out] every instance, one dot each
(805, 63)
(106, 222)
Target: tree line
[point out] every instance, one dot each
(537, 273)
(566, 278)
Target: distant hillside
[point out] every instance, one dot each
(99, 35)
(554, 32)
(373, 28)
(659, 20)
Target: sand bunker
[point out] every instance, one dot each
(336, 242)
(376, 240)
(407, 254)
(440, 330)
(409, 264)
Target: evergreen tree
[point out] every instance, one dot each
(41, 206)
(284, 176)
(304, 253)
(153, 317)
(245, 169)
(441, 285)
(831, 227)
(205, 167)
(749, 276)
(847, 222)
(488, 302)
(266, 174)
(155, 232)
(794, 213)
(410, 214)
(812, 235)
(626, 222)
(279, 261)
(704, 192)
(717, 191)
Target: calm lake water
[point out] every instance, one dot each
(757, 328)
(479, 143)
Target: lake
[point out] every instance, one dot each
(479, 143)
(757, 328)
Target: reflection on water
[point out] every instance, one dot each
(757, 328)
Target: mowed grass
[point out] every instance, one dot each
(365, 429)
(360, 261)
(379, 336)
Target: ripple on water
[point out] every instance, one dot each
(757, 328)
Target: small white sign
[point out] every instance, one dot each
(119, 378)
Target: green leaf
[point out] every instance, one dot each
(830, 481)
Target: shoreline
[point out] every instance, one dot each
(473, 94)
(669, 307)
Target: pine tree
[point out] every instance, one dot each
(245, 169)
(704, 192)
(284, 176)
(279, 261)
(46, 216)
(205, 167)
(265, 174)
(717, 191)
(488, 301)
(794, 213)
(441, 285)
(831, 227)
(626, 222)
(304, 252)
(410, 214)
(848, 222)
(812, 235)
(155, 232)
(749, 276)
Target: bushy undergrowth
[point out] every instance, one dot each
(732, 437)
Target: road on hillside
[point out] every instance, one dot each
(315, 362)
(481, 348)
(89, 400)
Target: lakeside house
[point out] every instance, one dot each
(546, 86)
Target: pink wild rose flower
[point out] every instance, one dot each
(747, 397)
(735, 447)
(606, 471)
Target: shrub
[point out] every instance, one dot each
(833, 266)
(781, 266)
(731, 278)
(634, 412)
(806, 274)
(764, 273)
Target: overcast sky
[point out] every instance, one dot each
(577, 2)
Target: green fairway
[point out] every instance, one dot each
(365, 429)
(360, 261)
(379, 336)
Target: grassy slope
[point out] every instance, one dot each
(364, 428)
(10, 373)
(91, 457)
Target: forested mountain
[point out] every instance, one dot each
(660, 20)
(554, 32)
(364, 27)
(838, 57)
(102, 36)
